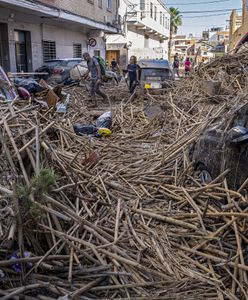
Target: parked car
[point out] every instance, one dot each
(61, 72)
(79, 70)
(48, 66)
(222, 147)
(155, 74)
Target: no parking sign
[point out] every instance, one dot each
(92, 42)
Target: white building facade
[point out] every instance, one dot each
(145, 31)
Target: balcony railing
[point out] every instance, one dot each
(143, 20)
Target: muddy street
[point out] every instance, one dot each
(127, 213)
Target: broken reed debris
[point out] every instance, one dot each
(135, 223)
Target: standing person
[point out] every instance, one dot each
(113, 65)
(107, 65)
(96, 76)
(176, 65)
(133, 73)
(187, 66)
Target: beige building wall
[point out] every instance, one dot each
(62, 24)
(92, 9)
(235, 22)
(238, 25)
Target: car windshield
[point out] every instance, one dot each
(52, 63)
(73, 63)
(155, 74)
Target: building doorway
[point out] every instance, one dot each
(113, 54)
(4, 47)
(23, 51)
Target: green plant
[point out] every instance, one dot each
(43, 182)
(40, 184)
(175, 22)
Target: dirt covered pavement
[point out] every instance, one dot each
(125, 216)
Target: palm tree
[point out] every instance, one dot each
(175, 22)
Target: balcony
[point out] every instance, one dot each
(142, 21)
(38, 12)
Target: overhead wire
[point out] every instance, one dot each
(208, 11)
(164, 4)
(195, 11)
(204, 16)
(198, 16)
(202, 3)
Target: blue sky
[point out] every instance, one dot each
(199, 22)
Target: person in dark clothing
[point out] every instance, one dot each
(95, 70)
(133, 73)
(113, 64)
(176, 65)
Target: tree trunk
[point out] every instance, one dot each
(170, 43)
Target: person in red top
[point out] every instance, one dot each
(187, 66)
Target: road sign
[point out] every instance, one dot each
(92, 42)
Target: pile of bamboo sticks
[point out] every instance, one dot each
(122, 217)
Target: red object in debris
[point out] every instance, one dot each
(92, 159)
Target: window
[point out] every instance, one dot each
(77, 50)
(109, 5)
(97, 53)
(100, 3)
(91, 1)
(166, 23)
(161, 18)
(142, 5)
(155, 13)
(49, 50)
(151, 9)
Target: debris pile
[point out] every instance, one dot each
(121, 217)
(224, 80)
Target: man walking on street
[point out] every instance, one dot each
(176, 65)
(133, 73)
(95, 70)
